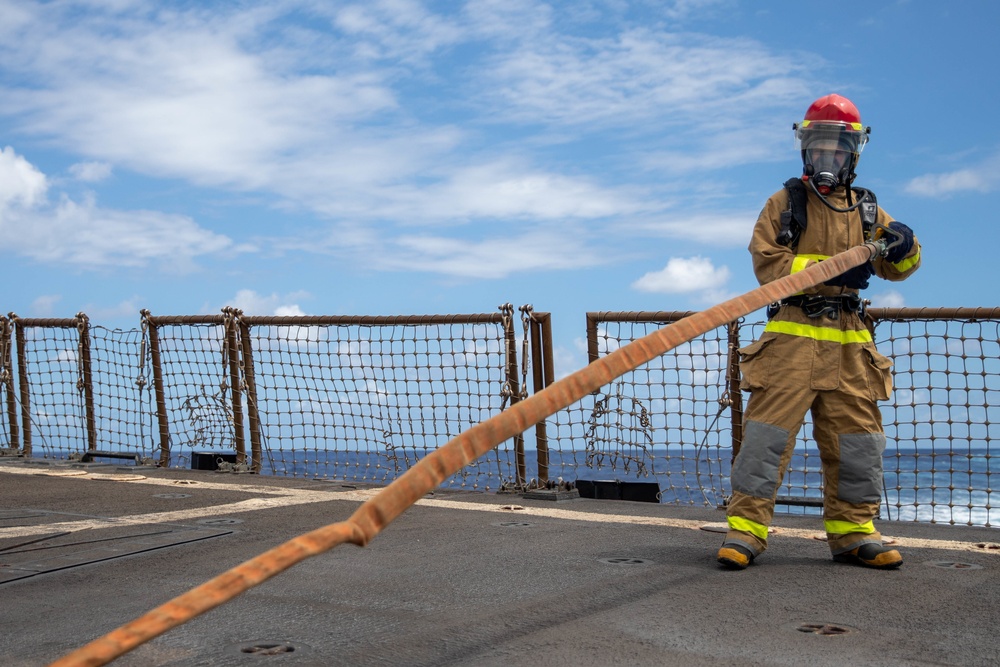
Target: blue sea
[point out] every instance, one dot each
(926, 485)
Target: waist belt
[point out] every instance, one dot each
(818, 306)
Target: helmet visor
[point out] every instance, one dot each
(849, 137)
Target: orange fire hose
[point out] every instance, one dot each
(431, 471)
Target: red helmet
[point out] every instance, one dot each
(833, 117)
(831, 128)
(833, 108)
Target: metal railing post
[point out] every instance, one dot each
(256, 462)
(161, 397)
(542, 376)
(593, 353)
(515, 389)
(7, 380)
(233, 349)
(87, 379)
(735, 395)
(22, 376)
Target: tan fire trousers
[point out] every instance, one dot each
(840, 384)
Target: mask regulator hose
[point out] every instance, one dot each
(855, 205)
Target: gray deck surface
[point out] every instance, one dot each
(466, 578)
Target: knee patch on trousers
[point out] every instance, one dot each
(860, 477)
(755, 470)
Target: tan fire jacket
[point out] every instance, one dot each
(827, 233)
(819, 345)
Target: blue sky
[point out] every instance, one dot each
(404, 157)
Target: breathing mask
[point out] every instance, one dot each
(830, 152)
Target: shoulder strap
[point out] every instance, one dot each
(869, 209)
(793, 220)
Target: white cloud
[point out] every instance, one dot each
(694, 274)
(507, 190)
(21, 184)
(502, 188)
(362, 115)
(179, 94)
(249, 98)
(396, 29)
(724, 228)
(129, 308)
(492, 257)
(85, 234)
(680, 9)
(712, 297)
(888, 299)
(507, 19)
(90, 172)
(291, 310)
(253, 303)
(44, 306)
(491, 249)
(675, 78)
(983, 177)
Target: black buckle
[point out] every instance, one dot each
(818, 306)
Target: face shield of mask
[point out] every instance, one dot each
(826, 158)
(827, 152)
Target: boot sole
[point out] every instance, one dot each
(732, 564)
(854, 560)
(733, 559)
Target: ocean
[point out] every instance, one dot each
(929, 485)
(924, 485)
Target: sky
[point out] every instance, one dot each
(399, 157)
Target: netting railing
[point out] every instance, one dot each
(62, 408)
(195, 360)
(944, 414)
(349, 398)
(364, 398)
(667, 421)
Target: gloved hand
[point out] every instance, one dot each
(899, 252)
(856, 278)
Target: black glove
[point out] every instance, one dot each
(856, 278)
(906, 244)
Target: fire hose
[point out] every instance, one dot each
(379, 511)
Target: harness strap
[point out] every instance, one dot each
(818, 306)
(793, 219)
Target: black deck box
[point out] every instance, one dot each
(613, 489)
(210, 460)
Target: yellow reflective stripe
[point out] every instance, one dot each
(819, 333)
(758, 530)
(845, 527)
(800, 261)
(905, 264)
(854, 126)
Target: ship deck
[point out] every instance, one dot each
(466, 578)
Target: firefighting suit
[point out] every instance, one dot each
(826, 364)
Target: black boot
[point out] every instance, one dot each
(871, 555)
(734, 556)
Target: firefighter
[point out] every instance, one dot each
(816, 353)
